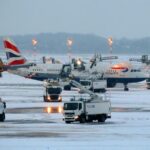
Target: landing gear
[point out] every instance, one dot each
(126, 87)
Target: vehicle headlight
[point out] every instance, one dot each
(76, 117)
(59, 98)
(49, 98)
(60, 110)
(48, 109)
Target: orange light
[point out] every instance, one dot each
(34, 42)
(48, 97)
(79, 62)
(110, 41)
(49, 110)
(60, 110)
(69, 42)
(116, 66)
(119, 66)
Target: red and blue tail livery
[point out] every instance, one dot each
(13, 54)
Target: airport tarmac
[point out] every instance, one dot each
(28, 126)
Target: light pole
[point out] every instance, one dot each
(110, 43)
(69, 45)
(34, 43)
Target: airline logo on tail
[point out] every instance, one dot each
(13, 54)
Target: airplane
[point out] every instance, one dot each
(50, 73)
(124, 72)
(146, 66)
(19, 65)
(114, 73)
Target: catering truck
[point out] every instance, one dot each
(87, 109)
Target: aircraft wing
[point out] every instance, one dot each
(4, 67)
(13, 67)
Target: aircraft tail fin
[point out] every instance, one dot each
(13, 54)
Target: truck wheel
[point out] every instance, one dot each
(68, 122)
(2, 117)
(102, 90)
(89, 120)
(82, 120)
(44, 98)
(102, 118)
(4, 104)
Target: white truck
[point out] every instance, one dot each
(95, 85)
(52, 92)
(2, 110)
(87, 110)
(98, 85)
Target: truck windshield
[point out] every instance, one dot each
(52, 90)
(70, 106)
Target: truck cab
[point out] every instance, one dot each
(52, 94)
(72, 110)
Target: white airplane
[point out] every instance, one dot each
(145, 60)
(124, 73)
(118, 73)
(18, 65)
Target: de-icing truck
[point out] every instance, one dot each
(87, 110)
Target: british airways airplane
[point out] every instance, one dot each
(18, 65)
(124, 73)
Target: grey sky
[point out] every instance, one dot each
(118, 18)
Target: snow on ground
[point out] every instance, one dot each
(28, 127)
